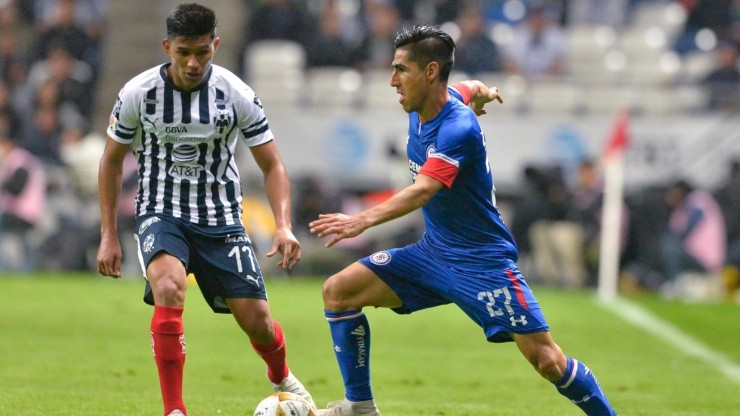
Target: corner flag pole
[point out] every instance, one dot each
(611, 219)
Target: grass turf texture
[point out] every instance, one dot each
(79, 345)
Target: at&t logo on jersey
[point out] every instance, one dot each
(380, 258)
(185, 156)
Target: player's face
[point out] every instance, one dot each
(190, 59)
(409, 81)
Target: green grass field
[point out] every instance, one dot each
(79, 345)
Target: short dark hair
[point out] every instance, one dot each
(428, 44)
(190, 21)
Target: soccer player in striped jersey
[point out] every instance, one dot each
(466, 256)
(182, 121)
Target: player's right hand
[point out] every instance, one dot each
(110, 257)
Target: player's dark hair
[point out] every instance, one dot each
(427, 44)
(190, 21)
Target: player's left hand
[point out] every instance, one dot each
(485, 96)
(340, 225)
(288, 246)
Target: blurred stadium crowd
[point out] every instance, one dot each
(651, 56)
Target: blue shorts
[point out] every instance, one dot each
(498, 300)
(221, 258)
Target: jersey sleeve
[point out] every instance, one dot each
(453, 150)
(461, 92)
(253, 124)
(124, 119)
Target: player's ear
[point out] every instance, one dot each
(216, 42)
(166, 46)
(432, 71)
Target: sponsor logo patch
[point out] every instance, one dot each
(147, 223)
(148, 244)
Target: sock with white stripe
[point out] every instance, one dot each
(580, 386)
(350, 332)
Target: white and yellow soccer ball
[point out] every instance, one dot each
(284, 404)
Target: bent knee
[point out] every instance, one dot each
(168, 288)
(549, 363)
(333, 295)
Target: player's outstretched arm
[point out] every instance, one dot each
(480, 95)
(343, 226)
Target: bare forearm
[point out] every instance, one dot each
(277, 188)
(109, 190)
(405, 201)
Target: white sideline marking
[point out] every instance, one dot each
(674, 336)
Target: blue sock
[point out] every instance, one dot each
(350, 332)
(580, 386)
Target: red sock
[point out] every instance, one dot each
(168, 346)
(274, 355)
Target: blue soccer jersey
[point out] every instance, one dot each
(463, 225)
(185, 141)
(467, 256)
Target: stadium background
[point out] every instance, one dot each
(77, 345)
(341, 131)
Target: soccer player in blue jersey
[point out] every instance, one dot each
(466, 256)
(183, 120)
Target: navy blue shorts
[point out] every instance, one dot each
(221, 258)
(498, 299)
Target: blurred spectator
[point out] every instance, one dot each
(91, 15)
(70, 76)
(586, 212)
(715, 15)
(42, 137)
(541, 231)
(723, 83)
(475, 51)
(10, 115)
(313, 198)
(695, 239)
(10, 51)
(337, 40)
(427, 11)
(22, 200)
(274, 19)
(278, 19)
(538, 47)
(597, 12)
(384, 21)
(65, 31)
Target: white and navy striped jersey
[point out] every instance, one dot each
(184, 142)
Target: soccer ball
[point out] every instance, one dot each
(284, 404)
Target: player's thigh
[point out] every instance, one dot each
(356, 287)
(500, 301)
(166, 272)
(163, 253)
(225, 266)
(418, 279)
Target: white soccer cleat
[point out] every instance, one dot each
(292, 385)
(176, 412)
(348, 408)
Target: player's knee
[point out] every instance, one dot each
(261, 332)
(547, 362)
(334, 297)
(168, 289)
